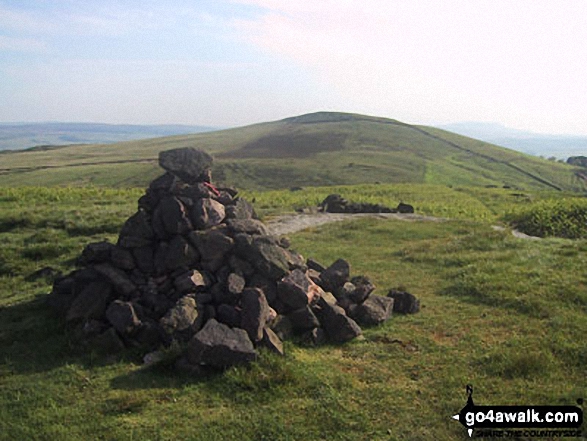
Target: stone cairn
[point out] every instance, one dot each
(195, 266)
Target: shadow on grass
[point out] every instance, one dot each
(32, 339)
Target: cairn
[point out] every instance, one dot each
(195, 265)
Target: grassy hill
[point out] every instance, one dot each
(323, 148)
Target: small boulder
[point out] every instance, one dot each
(339, 328)
(373, 311)
(219, 346)
(336, 275)
(255, 313)
(188, 164)
(404, 208)
(271, 341)
(181, 317)
(207, 213)
(404, 302)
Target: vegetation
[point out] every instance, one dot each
(321, 149)
(558, 218)
(503, 314)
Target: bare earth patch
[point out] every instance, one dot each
(288, 224)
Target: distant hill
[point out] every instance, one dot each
(20, 136)
(324, 148)
(558, 146)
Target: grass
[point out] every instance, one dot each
(503, 314)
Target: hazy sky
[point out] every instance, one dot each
(522, 63)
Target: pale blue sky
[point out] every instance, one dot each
(522, 63)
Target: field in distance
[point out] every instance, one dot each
(310, 150)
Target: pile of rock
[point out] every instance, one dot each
(335, 203)
(195, 265)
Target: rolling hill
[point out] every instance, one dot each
(324, 148)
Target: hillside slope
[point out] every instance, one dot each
(322, 148)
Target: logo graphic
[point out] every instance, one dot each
(514, 417)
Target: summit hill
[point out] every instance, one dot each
(324, 148)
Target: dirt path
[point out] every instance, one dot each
(293, 223)
(288, 224)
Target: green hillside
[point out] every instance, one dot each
(317, 149)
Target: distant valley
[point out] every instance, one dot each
(537, 144)
(19, 136)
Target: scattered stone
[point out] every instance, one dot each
(404, 208)
(404, 302)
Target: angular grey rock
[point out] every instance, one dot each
(213, 245)
(267, 257)
(339, 328)
(335, 276)
(293, 290)
(229, 315)
(170, 218)
(363, 289)
(404, 302)
(91, 303)
(283, 327)
(186, 163)
(373, 311)
(271, 341)
(181, 317)
(219, 346)
(315, 265)
(303, 319)
(314, 337)
(144, 258)
(191, 282)
(207, 213)
(117, 278)
(96, 252)
(241, 209)
(122, 258)
(240, 266)
(180, 254)
(404, 208)
(255, 313)
(136, 231)
(235, 283)
(249, 226)
(122, 317)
